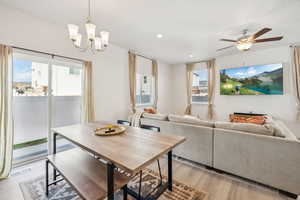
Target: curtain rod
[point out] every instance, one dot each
(200, 61)
(50, 54)
(141, 55)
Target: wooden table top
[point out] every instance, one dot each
(131, 151)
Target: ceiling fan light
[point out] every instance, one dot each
(77, 41)
(104, 37)
(90, 30)
(98, 43)
(244, 46)
(73, 31)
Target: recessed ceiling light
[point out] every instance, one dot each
(159, 35)
(191, 56)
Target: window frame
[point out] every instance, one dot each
(151, 90)
(200, 66)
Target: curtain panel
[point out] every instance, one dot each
(88, 113)
(211, 87)
(6, 119)
(189, 84)
(155, 75)
(132, 80)
(296, 64)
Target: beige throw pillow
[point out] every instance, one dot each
(265, 129)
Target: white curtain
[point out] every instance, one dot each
(155, 76)
(6, 119)
(189, 85)
(88, 113)
(132, 80)
(211, 86)
(296, 63)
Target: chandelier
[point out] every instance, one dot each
(94, 43)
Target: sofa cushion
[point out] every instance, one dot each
(189, 120)
(157, 116)
(266, 129)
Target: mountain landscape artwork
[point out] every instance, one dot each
(252, 80)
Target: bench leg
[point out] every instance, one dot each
(47, 178)
(110, 181)
(170, 171)
(125, 192)
(54, 152)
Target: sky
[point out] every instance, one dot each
(21, 71)
(202, 74)
(249, 71)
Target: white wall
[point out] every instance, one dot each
(281, 106)
(110, 68)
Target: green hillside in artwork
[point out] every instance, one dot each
(253, 80)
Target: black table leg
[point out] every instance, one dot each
(47, 177)
(110, 181)
(54, 152)
(170, 173)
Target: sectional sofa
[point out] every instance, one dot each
(268, 154)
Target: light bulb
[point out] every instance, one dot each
(104, 38)
(73, 31)
(77, 41)
(98, 43)
(90, 30)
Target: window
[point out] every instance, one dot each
(143, 89)
(66, 80)
(200, 86)
(30, 78)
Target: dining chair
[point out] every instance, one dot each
(157, 129)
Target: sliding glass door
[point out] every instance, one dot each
(66, 96)
(47, 94)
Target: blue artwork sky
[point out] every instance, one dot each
(249, 71)
(21, 71)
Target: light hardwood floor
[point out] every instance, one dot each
(217, 186)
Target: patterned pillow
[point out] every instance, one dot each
(150, 110)
(260, 120)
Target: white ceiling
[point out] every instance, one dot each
(188, 26)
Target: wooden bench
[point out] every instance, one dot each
(85, 174)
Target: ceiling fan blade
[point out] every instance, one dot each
(226, 40)
(269, 39)
(261, 32)
(225, 48)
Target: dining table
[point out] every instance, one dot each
(131, 151)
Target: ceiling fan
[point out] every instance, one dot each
(245, 42)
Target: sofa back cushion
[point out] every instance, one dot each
(156, 116)
(266, 129)
(189, 120)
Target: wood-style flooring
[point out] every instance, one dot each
(217, 186)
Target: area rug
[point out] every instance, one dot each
(35, 189)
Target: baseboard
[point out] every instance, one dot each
(218, 171)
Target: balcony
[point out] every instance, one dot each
(31, 123)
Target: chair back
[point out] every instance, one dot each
(149, 127)
(124, 122)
